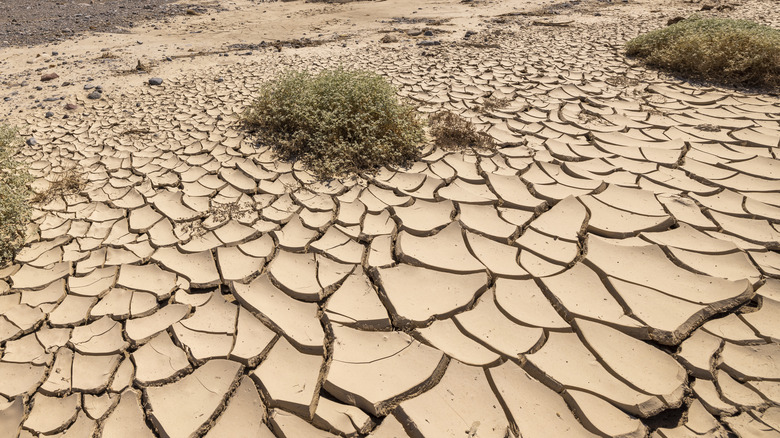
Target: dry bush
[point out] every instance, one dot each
(336, 122)
(450, 131)
(14, 192)
(69, 182)
(494, 103)
(725, 51)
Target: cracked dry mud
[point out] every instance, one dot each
(611, 269)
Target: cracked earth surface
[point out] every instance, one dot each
(611, 269)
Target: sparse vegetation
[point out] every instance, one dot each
(450, 131)
(336, 121)
(69, 182)
(14, 193)
(494, 103)
(141, 67)
(726, 51)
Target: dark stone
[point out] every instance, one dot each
(49, 77)
(429, 43)
(155, 81)
(49, 114)
(71, 106)
(428, 33)
(31, 141)
(674, 20)
(94, 95)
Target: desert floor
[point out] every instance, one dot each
(611, 269)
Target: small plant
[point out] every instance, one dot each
(336, 121)
(494, 103)
(69, 182)
(730, 52)
(450, 131)
(14, 192)
(141, 67)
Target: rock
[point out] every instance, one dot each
(31, 141)
(428, 33)
(49, 77)
(674, 20)
(50, 114)
(94, 95)
(155, 81)
(69, 107)
(429, 43)
(388, 39)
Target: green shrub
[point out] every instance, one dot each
(731, 52)
(14, 194)
(336, 121)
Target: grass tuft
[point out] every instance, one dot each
(14, 193)
(450, 131)
(719, 50)
(336, 121)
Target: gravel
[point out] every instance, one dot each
(30, 22)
